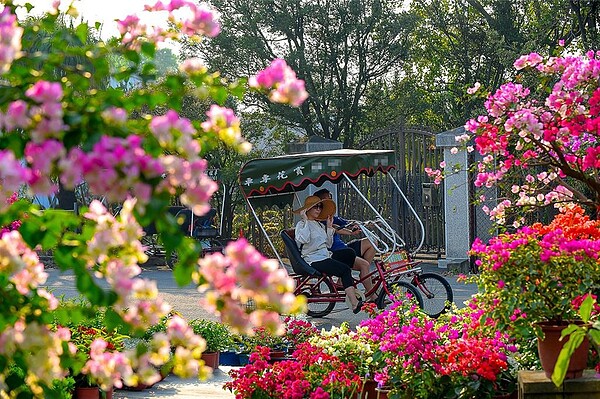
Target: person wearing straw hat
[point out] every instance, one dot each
(313, 238)
(362, 247)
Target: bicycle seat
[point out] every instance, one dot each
(299, 265)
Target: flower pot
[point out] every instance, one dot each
(277, 356)
(244, 359)
(86, 393)
(229, 359)
(211, 359)
(106, 394)
(368, 390)
(382, 393)
(139, 387)
(550, 347)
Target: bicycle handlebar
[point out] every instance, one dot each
(380, 234)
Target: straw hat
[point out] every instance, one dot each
(328, 206)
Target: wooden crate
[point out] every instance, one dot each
(535, 385)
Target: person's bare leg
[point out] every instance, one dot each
(367, 250)
(364, 268)
(351, 294)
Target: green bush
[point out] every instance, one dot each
(217, 335)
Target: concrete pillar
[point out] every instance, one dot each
(456, 202)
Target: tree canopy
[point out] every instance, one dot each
(337, 47)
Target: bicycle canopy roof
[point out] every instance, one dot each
(290, 173)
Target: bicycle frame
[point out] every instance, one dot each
(380, 276)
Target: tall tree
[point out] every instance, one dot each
(461, 42)
(338, 47)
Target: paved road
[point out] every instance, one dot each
(185, 300)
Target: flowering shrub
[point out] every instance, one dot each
(216, 334)
(535, 273)
(298, 331)
(452, 357)
(87, 339)
(15, 224)
(544, 139)
(313, 375)
(261, 337)
(62, 125)
(348, 346)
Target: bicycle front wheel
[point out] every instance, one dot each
(436, 292)
(399, 290)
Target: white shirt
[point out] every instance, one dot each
(313, 238)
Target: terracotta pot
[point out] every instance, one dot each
(211, 359)
(368, 390)
(106, 394)
(382, 393)
(86, 393)
(550, 347)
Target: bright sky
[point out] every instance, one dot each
(105, 11)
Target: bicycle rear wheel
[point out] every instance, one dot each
(399, 290)
(436, 292)
(318, 288)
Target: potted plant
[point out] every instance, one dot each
(529, 278)
(261, 337)
(589, 311)
(313, 373)
(82, 336)
(416, 356)
(297, 331)
(217, 336)
(349, 346)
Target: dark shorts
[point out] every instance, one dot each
(355, 245)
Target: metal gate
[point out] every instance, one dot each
(415, 150)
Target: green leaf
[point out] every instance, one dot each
(132, 56)
(82, 32)
(219, 94)
(112, 319)
(595, 336)
(32, 232)
(237, 88)
(174, 82)
(148, 49)
(570, 329)
(67, 315)
(183, 273)
(585, 311)
(564, 357)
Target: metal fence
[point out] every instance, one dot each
(415, 150)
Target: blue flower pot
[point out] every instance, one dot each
(244, 358)
(229, 359)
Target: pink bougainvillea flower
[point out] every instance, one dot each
(280, 81)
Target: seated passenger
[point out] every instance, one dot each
(362, 248)
(313, 238)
